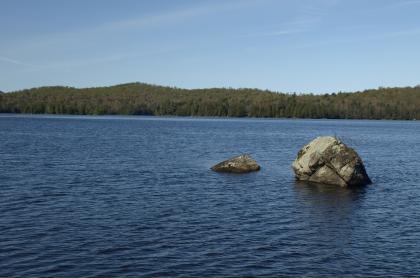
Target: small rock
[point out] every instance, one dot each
(328, 160)
(238, 164)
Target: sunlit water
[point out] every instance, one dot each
(133, 196)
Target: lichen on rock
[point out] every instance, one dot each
(328, 160)
(239, 164)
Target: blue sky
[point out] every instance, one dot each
(284, 45)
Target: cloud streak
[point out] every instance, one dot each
(308, 15)
(161, 18)
(14, 61)
(401, 33)
(100, 60)
(101, 31)
(405, 3)
(167, 17)
(275, 33)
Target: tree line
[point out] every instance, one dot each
(145, 99)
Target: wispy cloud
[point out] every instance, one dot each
(83, 62)
(150, 20)
(158, 18)
(405, 3)
(65, 64)
(101, 32)
(171, 16)
(288, 28)
(282, 32)
(358, 39)
(415, 31)
(305, 16)
(14, 61)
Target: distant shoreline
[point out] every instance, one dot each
(169, 117)
(151, 100)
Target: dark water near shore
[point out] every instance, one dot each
(132, 196)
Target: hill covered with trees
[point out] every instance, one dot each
(144, 99)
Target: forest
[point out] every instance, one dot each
(145, 99)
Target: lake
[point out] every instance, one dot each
(134, 196)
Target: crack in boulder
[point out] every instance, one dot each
(329, 160)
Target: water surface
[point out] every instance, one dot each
(134, 196)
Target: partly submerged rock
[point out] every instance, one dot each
(238, 164)
(328, 160)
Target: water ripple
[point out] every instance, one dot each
(131, 197)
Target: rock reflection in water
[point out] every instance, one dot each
(333, 211)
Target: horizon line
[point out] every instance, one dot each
(209, 88)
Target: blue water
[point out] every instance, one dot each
(134, 196)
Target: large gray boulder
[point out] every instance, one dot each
(238, 164)
(328, 160)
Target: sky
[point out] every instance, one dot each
(303, 46)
